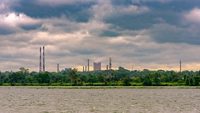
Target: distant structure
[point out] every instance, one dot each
(97, 66)
(88, 64)
(42, 59)
(106, 67)
(110, 63)
(67, 69)
(180, 66)
(58, 68)
(83, 68)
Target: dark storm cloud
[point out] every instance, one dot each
(160, 11)
(170, 14)
(164, 20)
(132, 22)
(165, 33)
(75, 12)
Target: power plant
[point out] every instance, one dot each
(97, 66)
(42, 59)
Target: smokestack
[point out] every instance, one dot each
(180, 66)
(110, 63)
(43, 58)
(58, 68)
(88, 64)
(40, 60)
(83, 68)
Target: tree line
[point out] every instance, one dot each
(120, 77)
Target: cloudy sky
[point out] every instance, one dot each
(152, 34)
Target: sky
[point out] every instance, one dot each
(137, 34)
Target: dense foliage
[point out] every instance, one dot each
(101, 78)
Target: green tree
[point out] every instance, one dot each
(147, 81)
(73, 76)
(156, 79)
(43, 78)
(127, 81)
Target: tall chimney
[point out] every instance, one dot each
(40, 60)
(44, 58)
(58, 68)
(110, 63)
(180, 66)
(88, 65)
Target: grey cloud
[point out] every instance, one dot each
(56, 25)
(75, 12)
(31, 27)
(109, 33)
(165, 33)
(85, 51)
(144, 37)
(12, 22)
(131, 22)
(54, 3)
(6, 5)
(6, 30)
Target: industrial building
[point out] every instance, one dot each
(97, 66)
